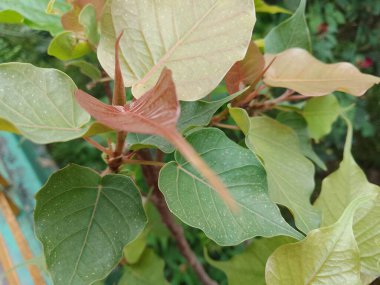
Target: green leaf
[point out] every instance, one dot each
(339, 189)
(327, 256)
(34, 12)
(290, 174)
(86, 68)
(193, 114)
(87, 18)
(149, 271)
(134, 250)
(84, 221)
(320, 114)
(299, 125)
(199, 47)
(11, 17)
(249, 267)
(40, 104)
(291, 33)
(193, 200)
(262, 7)
(66, 46)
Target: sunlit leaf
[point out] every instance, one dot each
(40, 104)
(328, 255)
(11, 17)
(8, 127)
(290, 174)
(192, 199)
(320, 114)
(262, 7)
(84, 221)
(245, 72)
(291, 33)
(249, 267)
(198, 40)
(66, 46)
(298, 70)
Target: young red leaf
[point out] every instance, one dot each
(245, 72)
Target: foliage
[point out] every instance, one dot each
(192, 160)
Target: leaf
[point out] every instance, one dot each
(149, 271)
(39, 103)
(192, 200)
(198, 40)
(291, 33)
(296, 69)
(262, 7)
(290, 174)
(342, 187)
(11, 17)
(134, 250)
(66, 46)
(299, 125)
(84, 220)
(320, 114)
(249, 267)
(245, 72)
(8, 127)
(327, 256)
(87, 18)
(34, 13)
(86, 68)
(193, 114)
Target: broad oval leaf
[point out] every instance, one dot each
(40, 103)
(327, 256)
(293, 32)
(198, 40)
(84, 221)
(192, 199)
(290, 174)
(66, 46)
(298, 70)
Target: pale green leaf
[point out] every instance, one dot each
(198, 40)
(290, 173)
(320, 114)
(34, 12)
(84, 221)
(262, 7)
(11, 17)
(148, 271)
(249, 267)
(195, 202)
(66, 46)
(339, 189)
(291, 33)
(86, 68)
(327, 256)
(134, 250)
(87, 18)
(299, 125)
(40, 104)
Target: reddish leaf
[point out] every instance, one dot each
(247, 71)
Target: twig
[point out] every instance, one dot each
(97, 145)
(225, 126)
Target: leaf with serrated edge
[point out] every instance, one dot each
(84, 221)
(298, 70)
(290, 174)
(249, 267)
(327, 256)
(191, 199)
(198, 40)
(338, 190)
(245, 72)
(39, 102)
(291, 33)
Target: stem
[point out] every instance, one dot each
(97, 145)
(143, 162)
(225, 126)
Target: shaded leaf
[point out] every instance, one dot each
(320, 114)
(290, 174)
(66, 46)
(199, 46)
(87, 18)
(84, 221)
(291, 33)
(245, 72)
(134, 250)
(148, 271)
(262, 7)
(39, 103)
(299, 125)
(298, 70)
(249, 267)
(192, 199)
(327, 256)
(86, 68)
